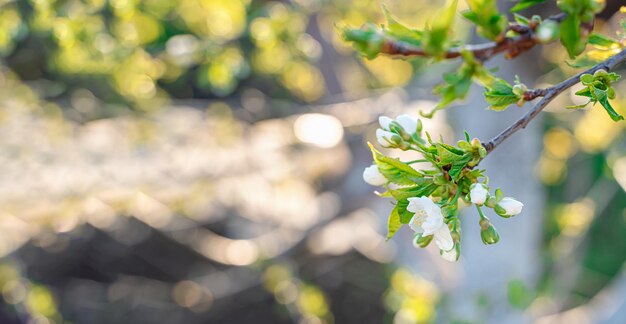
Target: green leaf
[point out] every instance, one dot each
(500, 95)
(458, 166)
(400, 32)
(521, 19)
(602, 41)
(405, 215)
(403, 194)
(571, 37)
(393, 224)
(366, 40)
(484, 14)
(436, 38)
(604, 101)
(524, 4)
(424, 189)
(395, 170)
(447, 155)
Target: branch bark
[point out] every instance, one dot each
(548, 95)
(511, 46)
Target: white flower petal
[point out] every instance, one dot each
(408, 123)
(449, 255)
(372, 175)
(511, 206)
(478, 194)
(443, 238)
(384, 122)
(415, 226)
(384, 137)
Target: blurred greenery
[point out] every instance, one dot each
(110, 214)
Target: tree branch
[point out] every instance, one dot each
(548, 95)
(512, 46)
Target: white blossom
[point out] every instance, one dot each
(384, 137)
(428, 220)
(372, 175)
(449, 255)
(511, 206)
(478, 194)
(384, 122)
(408, 123)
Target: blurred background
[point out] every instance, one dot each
(200, 161)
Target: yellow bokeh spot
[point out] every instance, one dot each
(596, 130)
(575, 218)
(389, 71)
(223, 20)
(304, 80)
(40, 301)
(559, 143)
(551, 171)
(312, 301)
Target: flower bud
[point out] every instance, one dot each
(476, 142)
(482, 151)
(520, 89)
(508, 207)
(384, 122)
(420, 241)
(547, 32)
(387, 138)
(478, 194)
(488, 232)
(408, 123)
(372, 175)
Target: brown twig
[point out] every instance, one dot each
(548, 95)
(511, 46)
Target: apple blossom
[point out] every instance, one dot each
(478, 193)
(372, 175)
(510, 206)
(428, 220)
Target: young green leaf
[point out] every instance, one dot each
(524, 4)
(571, 36)
(603, 41)
(393, 224)
(500, 95)
(395, 170)
(436, 39)
(400, 32)
(604, 101)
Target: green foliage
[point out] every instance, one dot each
(456, 85)
(519, 295)
(598, 89)
(437, 37)
(484, 14)
(578, 12)
(393, 224)
(499, 95)
(525, 4)
(369, 40)
(603, 48)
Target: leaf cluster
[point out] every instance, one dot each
(449, 177)
(598, 89)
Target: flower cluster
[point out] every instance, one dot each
(428, 199)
